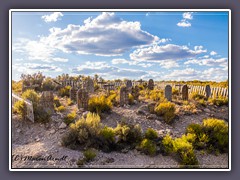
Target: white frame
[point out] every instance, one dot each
(117, 10)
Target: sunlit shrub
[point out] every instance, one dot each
(60, 109)
(148, 147)
(56, 102)
(130, 99)
(151, 134)
(89, 154)
(167, 110)
(69, 102)
(99, 104)
(196, 96)
(69, 118)
(219, 101)
(20, 108)
(65, 91)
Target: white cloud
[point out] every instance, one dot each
(187, 15)
(30, 68)
(213, 53)
(184, 23)
(37, 50)
(120, 61)
(188, 74)
(131, 62)
(107, 71)
(222, 62)
(157, 53)
(52, 17)
(105, 35)
(168, 64)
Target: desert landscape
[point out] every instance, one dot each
(128, 122)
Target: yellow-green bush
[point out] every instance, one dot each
(128, 134)
(211, 135)
(69, 118)
(114, 98)
(175, 91)
(60, 109)
(108, 134)
(69, 102)
(167, 144)
(196, 96)
(31, 95)
(201, 102)
(154, 95)
(56, 102)
(99, 104)
(219, 101)
(151, 134)
(89, 154)
(65, 91)
(167, 110)
(40, 115)
(148, 147)
(20, 108)
(17, 86)
(130, 99)
(217, 130)
(183, 148)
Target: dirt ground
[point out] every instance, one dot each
(38, 140)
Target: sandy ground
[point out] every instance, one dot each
(37, 140)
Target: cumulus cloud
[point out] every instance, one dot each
(222, 62)
(29, 68)
(105, 70)
(213, 53)
(130, 62)
(105, 35)
(187, 15)
(157, 53)
(37, 50)
(188, 74)
(52, 17)
(185, 21)
(168, 64)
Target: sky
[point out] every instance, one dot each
(122, 45)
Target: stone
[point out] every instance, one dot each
(207, 110)
(129, 84)
(123, 96)
(168, 92)
(185, 92)
(151, 107)
(18, 130)
(82, 99)
(207, 91)
(151, 84)
(136, 93)
(142, 110)
(88, 85)
(62, 126)
(161, 132)
(46, 101)
(52, 131)
(73, 94)
(158, 122)
(151, 116)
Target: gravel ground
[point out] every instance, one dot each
(37, 140)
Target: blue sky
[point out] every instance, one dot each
(133, 45)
